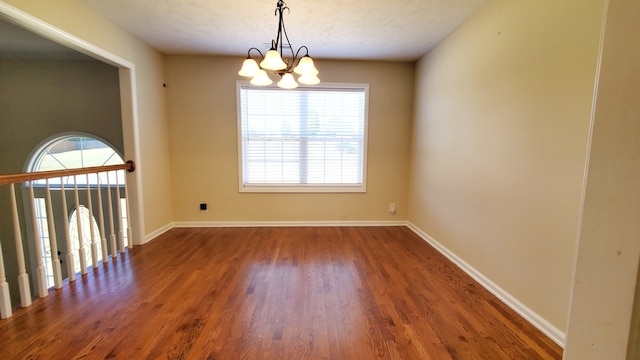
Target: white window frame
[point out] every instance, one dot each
(303, 188)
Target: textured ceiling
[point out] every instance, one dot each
(334, 29)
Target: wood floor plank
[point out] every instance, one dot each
(274, 294)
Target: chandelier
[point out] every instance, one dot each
(276, 62)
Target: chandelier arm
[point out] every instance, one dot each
(296, 57)
(256, 49)
(293, 55)
(278, 13)
(278, 40)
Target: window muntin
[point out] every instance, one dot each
(302, 140)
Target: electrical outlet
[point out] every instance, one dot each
(392, 208)
(203, 207)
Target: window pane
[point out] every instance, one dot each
(308, 137)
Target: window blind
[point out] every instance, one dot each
(305, 138)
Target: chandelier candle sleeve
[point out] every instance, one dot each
(277, 63)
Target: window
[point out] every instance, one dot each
(70, 152)
(302, 140)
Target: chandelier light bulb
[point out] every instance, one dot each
(306, 66)
(249, 68)
(261, 79)
(287, 82)
(309, 79)
(273, 61)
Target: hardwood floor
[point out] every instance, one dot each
(274, 293)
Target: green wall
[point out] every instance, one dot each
(40, 99)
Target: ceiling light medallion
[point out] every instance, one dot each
(275, 61)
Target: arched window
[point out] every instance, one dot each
(72, 152)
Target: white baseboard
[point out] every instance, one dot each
(187, 224)
(184, 224)
(532, 317)
(154, 234)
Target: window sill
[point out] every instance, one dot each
(359, 188)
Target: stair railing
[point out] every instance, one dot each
(29, 180)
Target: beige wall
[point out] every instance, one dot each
(609, 248)
(203, 121)
(500, 143)
(75, 18)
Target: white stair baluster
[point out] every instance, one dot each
(103, 238)
(81, 250)
(119, 207)
(71, 271)
(112, 235)
(129, 232)
(53, 244)
(94, 245)
(41, 278)
(5, 297)
(23, 277)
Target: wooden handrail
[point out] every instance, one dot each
(130, 166)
